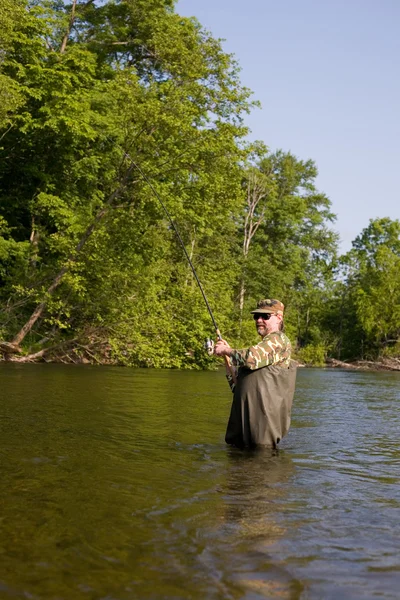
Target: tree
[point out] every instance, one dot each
(105, 88)
(288, 247)
(372, 271)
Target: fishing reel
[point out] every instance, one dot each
(209, 346)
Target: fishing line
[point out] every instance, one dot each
(209, 343)
(178, 235)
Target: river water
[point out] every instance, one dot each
(116, 484)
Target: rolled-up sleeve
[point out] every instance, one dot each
(273, 348)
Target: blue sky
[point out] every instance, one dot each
(327, 75)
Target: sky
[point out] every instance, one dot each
(327, 74)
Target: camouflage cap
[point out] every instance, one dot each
(269, 306)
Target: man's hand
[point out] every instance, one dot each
(222, 348)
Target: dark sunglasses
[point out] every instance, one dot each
(264, 316)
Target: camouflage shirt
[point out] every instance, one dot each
(274, 348)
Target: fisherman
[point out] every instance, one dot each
(266, 376)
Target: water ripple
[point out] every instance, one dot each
(117, 484)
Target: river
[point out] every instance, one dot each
(116, 484)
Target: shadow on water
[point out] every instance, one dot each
(254, 495)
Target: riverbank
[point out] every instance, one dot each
(383, 364)
(103, 357)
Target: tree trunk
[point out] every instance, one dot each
(34, 240)
(242, 292)
(341, 328)
(307, 325)
(70, 25)
(256, 192)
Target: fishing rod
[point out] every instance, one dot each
(209, 345)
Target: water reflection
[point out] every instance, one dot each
(117, 484)
(257, 482)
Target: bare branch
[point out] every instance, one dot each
(70, 25)
(6, 131)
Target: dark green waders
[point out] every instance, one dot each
(261, 407)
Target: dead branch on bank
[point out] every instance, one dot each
(19, 337)
(383, 364)
(90, 347)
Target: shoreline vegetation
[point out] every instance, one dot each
(84, 356)
(93, 95)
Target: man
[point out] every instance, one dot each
(263, 393)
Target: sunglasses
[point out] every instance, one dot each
(264, 316)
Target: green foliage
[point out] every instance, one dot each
(107, 85)
(313, 355)
(89, 94)
(372, 270)
(12, 17)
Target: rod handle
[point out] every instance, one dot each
(227, 360)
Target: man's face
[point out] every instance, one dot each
(266, 323)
